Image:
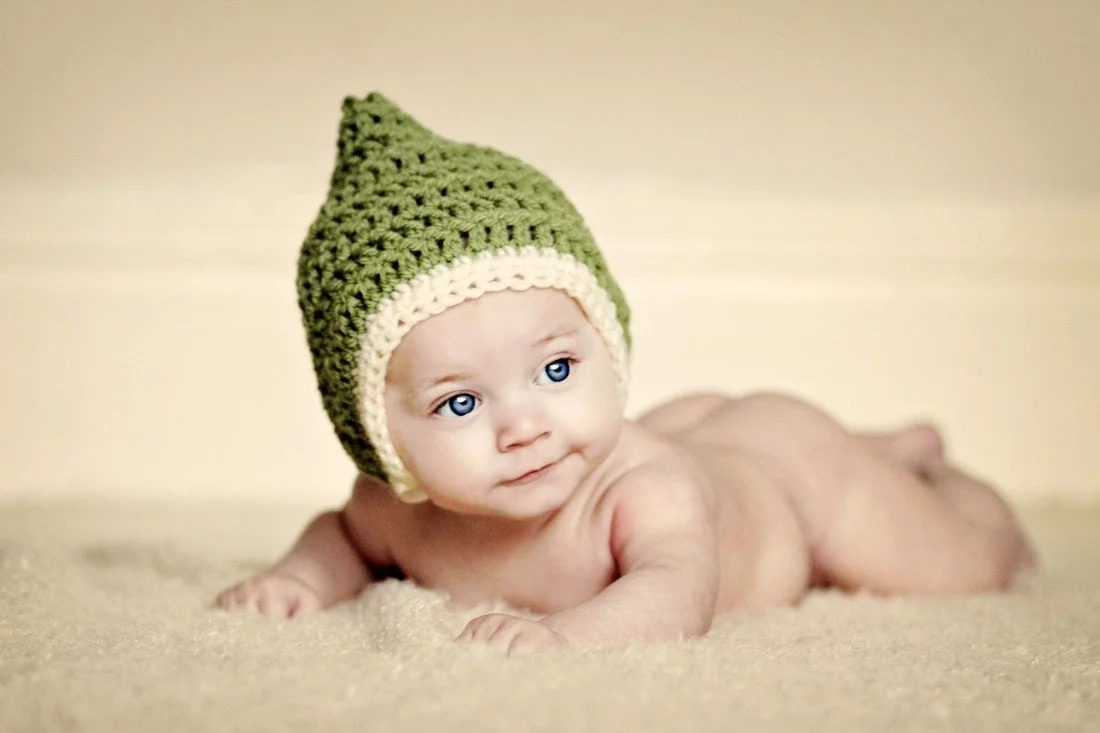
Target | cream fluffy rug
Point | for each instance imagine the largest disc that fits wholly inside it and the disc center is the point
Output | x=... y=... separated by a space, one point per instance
x=104 y=626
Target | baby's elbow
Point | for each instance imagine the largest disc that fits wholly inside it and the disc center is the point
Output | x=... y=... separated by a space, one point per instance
x=683 y=615
x=700 y=627
x=700 y=613
x=998 y=568
x=690 y=624
x=995 y=577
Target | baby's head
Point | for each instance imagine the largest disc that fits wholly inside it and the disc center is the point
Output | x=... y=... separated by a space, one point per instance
x=418 y=227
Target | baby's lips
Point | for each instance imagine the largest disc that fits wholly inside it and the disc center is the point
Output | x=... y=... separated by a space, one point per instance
x=533 y=473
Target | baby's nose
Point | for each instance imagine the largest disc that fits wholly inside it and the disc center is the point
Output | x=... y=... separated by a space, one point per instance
x=521 y=425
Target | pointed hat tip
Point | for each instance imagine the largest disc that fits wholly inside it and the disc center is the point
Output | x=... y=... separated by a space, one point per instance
x=380 y=110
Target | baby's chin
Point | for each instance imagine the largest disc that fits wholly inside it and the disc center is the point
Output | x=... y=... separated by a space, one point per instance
x=521 y=503
x=515 y=503
x=530 y=507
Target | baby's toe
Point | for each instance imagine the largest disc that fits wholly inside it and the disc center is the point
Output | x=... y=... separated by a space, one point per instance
x=921 y=443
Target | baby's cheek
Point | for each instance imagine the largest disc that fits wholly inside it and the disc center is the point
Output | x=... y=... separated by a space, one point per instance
x=598 y=419
x=452 y=454
x=420 y=452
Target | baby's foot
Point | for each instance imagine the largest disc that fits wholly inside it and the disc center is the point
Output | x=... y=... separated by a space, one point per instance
x=919 y=446
x=277 y=596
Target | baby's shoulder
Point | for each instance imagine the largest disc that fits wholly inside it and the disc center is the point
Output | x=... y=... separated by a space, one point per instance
x=659 y=469
x=372 y=517
x=663 y=497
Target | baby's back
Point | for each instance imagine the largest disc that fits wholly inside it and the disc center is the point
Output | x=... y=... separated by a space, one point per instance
x=764 y=464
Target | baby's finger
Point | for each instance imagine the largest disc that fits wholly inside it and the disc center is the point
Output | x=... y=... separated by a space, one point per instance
x=470 y=631
x=524 y=645
x=482 y=628
x=529 y=642
x=304 y=605
x=250 y=599
x=503 y=635
x=272 y=605
x=232 y=599
x=222 y=600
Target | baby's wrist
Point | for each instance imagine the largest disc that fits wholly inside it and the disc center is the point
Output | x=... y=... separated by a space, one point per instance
x=297 y=579
x=564 y=638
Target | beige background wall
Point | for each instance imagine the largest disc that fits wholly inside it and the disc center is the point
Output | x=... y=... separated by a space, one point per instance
x=892 y=208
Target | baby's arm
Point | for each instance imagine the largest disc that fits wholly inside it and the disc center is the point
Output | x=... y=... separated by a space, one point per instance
x=664 y=540
x=323 y=568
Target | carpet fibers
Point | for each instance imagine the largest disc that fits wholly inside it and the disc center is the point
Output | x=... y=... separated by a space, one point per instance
x=105 y=625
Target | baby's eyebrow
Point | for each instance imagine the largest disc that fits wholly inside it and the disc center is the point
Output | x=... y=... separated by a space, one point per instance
x=432 y=382
x=564 y=331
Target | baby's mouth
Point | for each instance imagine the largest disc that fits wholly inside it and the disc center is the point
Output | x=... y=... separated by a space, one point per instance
x=531 y=475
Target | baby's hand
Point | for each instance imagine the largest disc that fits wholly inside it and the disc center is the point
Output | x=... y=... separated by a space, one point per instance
x=277 y=596
x=513 y=635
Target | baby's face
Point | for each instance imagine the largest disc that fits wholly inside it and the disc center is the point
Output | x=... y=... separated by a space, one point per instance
x=503 y=404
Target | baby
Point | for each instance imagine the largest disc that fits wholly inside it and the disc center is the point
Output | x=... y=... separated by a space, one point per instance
x=471 y=350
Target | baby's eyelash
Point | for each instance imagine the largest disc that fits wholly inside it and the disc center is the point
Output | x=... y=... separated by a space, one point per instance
x=459 y=404
x=562 y=366
x=434 y=405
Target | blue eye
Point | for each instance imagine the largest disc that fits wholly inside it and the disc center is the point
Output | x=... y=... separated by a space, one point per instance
x=557 y=371
x=460 y=405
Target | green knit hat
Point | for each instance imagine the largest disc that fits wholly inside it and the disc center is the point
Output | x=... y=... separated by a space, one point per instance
x=414 y=224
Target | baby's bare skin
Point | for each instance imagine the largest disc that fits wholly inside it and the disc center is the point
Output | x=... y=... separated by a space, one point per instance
x=702 y=506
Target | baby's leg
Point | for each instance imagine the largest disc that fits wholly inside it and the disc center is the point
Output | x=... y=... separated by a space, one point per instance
x=920 y=447
x=897 y=529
